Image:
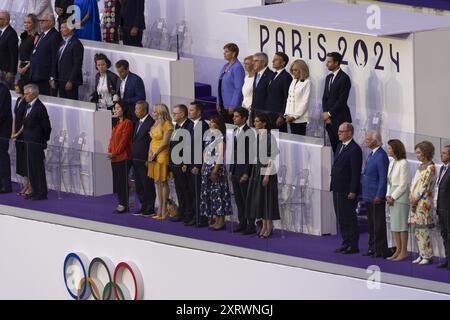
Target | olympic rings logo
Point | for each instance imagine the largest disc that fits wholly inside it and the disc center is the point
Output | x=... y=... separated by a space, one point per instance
x=82 y=278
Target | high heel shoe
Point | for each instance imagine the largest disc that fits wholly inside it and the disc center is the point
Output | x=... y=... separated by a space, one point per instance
x=267 y=234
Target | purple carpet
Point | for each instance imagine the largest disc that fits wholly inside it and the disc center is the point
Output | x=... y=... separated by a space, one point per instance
x=318 y=248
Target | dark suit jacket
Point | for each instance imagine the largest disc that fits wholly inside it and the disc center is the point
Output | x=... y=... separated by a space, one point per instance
x=443 y=199
x=141 y=140
x=132 y=13
x=45 y=56
x=70 y=63
x=278 y=93
x=134 y=89
x=334 y=100
x=187 y=125
x=36 y=125
x=111 y=79
x=346 y=169
x=203 y=126
x=5 y=112
x=239 y=169
x=9 y=48
x=261 y=91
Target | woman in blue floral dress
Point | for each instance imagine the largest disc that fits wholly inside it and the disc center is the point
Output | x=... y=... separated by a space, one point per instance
x=215 y=198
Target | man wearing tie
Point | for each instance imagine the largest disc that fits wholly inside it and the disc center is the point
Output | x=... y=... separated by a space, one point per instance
x=5 y=134
x=69 y=73
x=345 y=183
x=374 y=186
x=8 y=50
x=443 y=203
x=145 y=186
x=130 y=86
x=132 y=21
x=36 y=133
x=45 y=55
x=261 y=83
x=335 y=96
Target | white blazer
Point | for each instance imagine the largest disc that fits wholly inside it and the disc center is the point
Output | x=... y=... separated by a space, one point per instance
x=298 y=100
x=398 y=176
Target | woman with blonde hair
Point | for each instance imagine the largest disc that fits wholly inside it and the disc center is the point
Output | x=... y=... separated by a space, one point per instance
x=297 y=104
x=158 y=156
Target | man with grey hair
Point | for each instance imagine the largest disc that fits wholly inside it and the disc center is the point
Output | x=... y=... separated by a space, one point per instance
x=263 y=77
x=374 y=185
x=44 y=58
x=8 y=50
x=36 y=133
x=345 y=184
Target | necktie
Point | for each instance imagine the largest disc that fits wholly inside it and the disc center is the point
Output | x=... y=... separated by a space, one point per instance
x=370 y=155
x=257 y=79
x=441 y=173
x=342 y=149
x=331 y=81
x=28 y=109
x=1 y=32
x=61 y=49
x=139 y=126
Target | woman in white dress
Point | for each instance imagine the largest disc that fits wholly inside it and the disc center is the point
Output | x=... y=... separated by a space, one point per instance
x=247 y=88
x=296 y=114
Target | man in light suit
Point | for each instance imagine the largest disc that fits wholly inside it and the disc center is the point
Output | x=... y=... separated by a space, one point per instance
x=145 y=186
x=335 y=96
x=374 y=185
x=69 y=71
x=8 y=50
x=442 y=196
x=44 y=59
x=5 y=135
x=263 y=77
x=36 y=133
x=130 y=86
x=345 y=183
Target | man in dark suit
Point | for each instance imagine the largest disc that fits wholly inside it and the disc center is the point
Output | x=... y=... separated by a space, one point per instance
x=69 y=71
x=200 y=126
x=180 y=143
x=278 y=91
x=45 y=55
x=145 y=186
x=374 y=186
x=130 y=86
x=5 y=135
x=240 y=168
x=345 y=182
x=132 y=21
x=8 y=50
x=61 y=7
x=36 y=133
x=335 y=96
x=263 y=77
x=442 y=194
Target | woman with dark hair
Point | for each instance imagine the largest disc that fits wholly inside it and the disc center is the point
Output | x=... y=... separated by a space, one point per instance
x=262 y=199
x=17 y=129
x=397 y=197
x=231 y=80
x=420 y=199
x=27 y=40
x=119 y=152
x=215 y=198
x=105 y=82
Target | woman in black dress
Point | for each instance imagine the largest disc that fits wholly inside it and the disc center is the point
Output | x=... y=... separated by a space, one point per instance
x=21 y=161
x=262 y=200
x=27 y=40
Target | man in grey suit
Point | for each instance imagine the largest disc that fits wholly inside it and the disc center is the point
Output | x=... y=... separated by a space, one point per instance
x=442 y=194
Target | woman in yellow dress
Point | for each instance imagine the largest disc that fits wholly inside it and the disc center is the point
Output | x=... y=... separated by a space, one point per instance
x=158 y=156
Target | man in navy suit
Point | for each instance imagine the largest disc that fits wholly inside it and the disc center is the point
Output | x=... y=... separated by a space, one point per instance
x=8 y=50
x=442 y=198
x=335 y=96
x=5 y=135
x=278 y=91
x=69 y=71
x=178 y=164
x=240 y=168
x=200 y=126
x=45 y=55
x=374 y=185
x=130 y=86
x=263 y=77
x=132 y=21
x=36 y=133
x=145 y=186
x=345 y=183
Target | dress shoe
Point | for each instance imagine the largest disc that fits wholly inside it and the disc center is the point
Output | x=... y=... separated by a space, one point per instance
x=139 y=213
x=190 y=223
x=176 y=219
x=201 y=224
x=249 y=231
x=368 y=253
x=381 y=255
x=340 y=249
x=426 y=261
x=350 y=250
x=239 y=229
x=37 y=198
x=443 y=265
x=5 y=190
